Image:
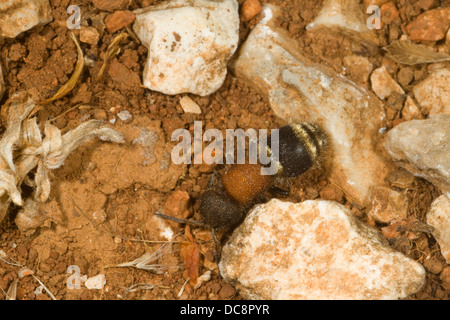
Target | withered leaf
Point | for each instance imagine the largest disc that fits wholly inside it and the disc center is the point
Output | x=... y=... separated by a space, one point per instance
x=190 y=254
x=410 y=53
x=113 y=50
x=69 y=85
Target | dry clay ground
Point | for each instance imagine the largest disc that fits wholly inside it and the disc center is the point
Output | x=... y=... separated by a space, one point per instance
x=96 y=225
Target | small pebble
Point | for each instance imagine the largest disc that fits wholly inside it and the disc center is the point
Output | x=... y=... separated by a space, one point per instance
x=383 y=84
x=411 y=110
x=97 y=282
x=89 y=35
x=250 y=9
x=117 y=240
x=119 y=20
x=431 y=25
x=125 y=116
x=190 y=106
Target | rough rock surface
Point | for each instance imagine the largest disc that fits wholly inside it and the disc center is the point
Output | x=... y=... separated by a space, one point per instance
x=342 y=13
x=17 y=16
x=383 y=84
x=89 y=35
x=299 y=91
x=431 y=25
x=360 y=67
x=388 y=205
x=423 y=148
x=119 y=20
x=411 y=110
x=378 y=3
x=315 y=250
x=433 y=93
x=189 y=44
x=111 y=5
x=439 y=218
x=2 y=82
x=447 y=38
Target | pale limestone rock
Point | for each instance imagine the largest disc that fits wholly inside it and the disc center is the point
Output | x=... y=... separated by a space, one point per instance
x=96 y=283
x=359 y=67
x=344 y=18
x=17 y=16
x=125 y=116
x=388 y=205
x=189 y=105
x=189 y=44
x=346 y=14
x=439 y=218
x=89 y=35
x=433 y=93
x=423 y=148
x=301 y=91
x=383 y=84
x=411 y=110
x=315 y=250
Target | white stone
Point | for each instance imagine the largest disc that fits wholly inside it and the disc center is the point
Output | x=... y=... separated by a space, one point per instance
x=95 y=283
x=17 y=16
x=439 y=218
x=89 y=35
x=189 y=105
x=383 y=84
x=298 y=91
x=315 y=250
x=433 y=93
x=125 y=115
x=346 y=14
x=423 y=148
x=411 y=110
x=360 y=67
x=189 y=44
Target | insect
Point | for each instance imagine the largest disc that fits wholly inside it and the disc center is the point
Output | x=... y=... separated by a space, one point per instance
x=300 y=145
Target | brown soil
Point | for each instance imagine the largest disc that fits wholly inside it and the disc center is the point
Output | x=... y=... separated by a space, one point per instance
x=43 y=59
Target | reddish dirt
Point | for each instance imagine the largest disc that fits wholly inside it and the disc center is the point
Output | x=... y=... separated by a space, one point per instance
x=112 y=226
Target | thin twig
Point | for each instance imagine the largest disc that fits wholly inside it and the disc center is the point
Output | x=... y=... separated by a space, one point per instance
x=2 y=253
x=46 y=289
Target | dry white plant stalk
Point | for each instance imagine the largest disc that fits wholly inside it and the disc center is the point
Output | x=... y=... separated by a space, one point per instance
x=23 y=149
x=12 y=291
x=144 y=262
x=203 y=279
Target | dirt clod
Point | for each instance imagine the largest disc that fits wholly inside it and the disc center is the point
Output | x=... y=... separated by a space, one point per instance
x=227 y=291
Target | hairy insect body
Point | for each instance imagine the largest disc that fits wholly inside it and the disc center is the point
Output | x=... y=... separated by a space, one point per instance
x=301 y=146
